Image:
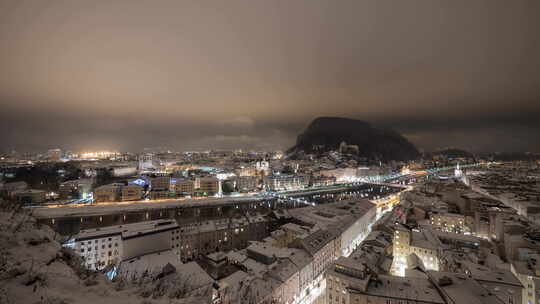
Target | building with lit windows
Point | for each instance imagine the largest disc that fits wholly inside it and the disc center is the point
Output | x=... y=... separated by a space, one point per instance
x=160 y=183
x=449 y=222
x=131 y=193
x=528 y=273
x=319 y=181
x=206 y=237
x=208 y=186
x=351 y=282
x=73 y=189
x=425 y=244
x=249 y=171
x=108 y=193
x=285 y=182
x=184 y=186
x=246 y=183
x=109 y=246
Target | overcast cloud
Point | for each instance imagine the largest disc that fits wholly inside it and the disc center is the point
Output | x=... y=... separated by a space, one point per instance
x=221 y=74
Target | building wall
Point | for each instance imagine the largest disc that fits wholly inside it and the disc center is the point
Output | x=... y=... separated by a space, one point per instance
x=162 y=183
x=107 y=194
x=31 y=196
x=101 y=251
x=528 y=293
x=291 y=289
x=159 y=194
x=305 y=277
x=323 y=258
x=356 y=232
x=286 y=182
x=449 y=222
x=224 y=237
x=402 y=248
x=246 y=183
x=336 y=291
x=186 y=186
x=208 y=185
x=131 y=193
x=150 y=243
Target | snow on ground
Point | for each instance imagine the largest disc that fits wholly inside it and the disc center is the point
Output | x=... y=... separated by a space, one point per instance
x=34 y=268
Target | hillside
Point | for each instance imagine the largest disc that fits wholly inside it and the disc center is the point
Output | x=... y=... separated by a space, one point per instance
x=36 y=269
x=327 y=133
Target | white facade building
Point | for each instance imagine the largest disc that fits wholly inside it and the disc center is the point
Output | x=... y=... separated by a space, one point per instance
x=102 y=247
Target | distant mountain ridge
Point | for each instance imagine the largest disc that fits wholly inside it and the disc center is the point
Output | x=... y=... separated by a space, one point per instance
x=327 y=133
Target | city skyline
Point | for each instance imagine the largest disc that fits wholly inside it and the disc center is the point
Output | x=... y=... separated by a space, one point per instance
x=197 y=75
x=270 y=152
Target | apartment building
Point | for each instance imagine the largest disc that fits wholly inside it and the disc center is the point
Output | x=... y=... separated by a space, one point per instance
x=131 y=193
x=184 y=187
x=30 y=196
x=320 y=245
x=320 y=181
x=352 y=218
x=109 y=246
x=350 y=282
x=286 y=182
x=108 y=193
x=246 y=183
x=422 y=243
x=73 y=189
x=450 y=222
x=202 y=238
x=207 y=186
x=160 y=183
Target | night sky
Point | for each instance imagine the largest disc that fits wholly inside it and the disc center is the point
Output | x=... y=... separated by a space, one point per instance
x=201 y=74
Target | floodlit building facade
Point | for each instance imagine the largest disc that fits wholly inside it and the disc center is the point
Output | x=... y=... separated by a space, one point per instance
x=424 y=244
x=286 y=182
